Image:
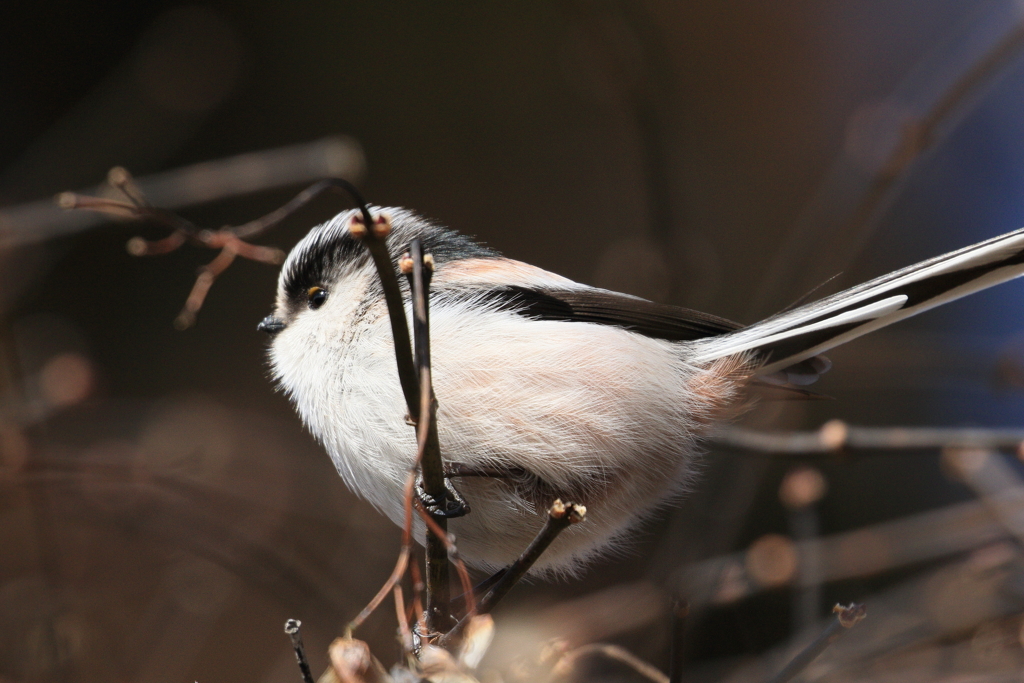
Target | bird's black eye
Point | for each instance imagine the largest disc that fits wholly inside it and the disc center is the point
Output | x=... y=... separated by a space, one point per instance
x=316 y=296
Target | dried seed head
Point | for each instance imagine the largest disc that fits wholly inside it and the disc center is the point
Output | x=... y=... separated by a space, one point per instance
x=137 y=246
x=577 y=514
x=405 y=264
x=382 y=226
x=428 y=262
x=276 y=256
x=67 y=200
x=118 y=175
x=185 y=320
x=851 y=614
x=356 y=226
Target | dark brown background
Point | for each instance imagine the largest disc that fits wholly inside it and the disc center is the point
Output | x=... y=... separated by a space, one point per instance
x=165 y=525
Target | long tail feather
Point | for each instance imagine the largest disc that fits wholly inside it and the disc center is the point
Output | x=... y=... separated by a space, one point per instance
x=794 y=336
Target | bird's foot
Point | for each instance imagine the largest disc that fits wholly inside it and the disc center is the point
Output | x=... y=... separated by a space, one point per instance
x=450 y=504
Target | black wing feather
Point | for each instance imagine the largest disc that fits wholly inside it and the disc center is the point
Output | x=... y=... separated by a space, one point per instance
x=659 y=321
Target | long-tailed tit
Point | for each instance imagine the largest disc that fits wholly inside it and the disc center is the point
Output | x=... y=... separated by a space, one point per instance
x=553 y=388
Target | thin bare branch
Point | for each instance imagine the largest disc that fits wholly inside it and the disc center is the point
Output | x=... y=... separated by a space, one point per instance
x=291 y=627
x=418 y=589
x=568 y=662
x=264 y=223
x=396 y=575
x=403 y=619
x=680 y=612
x=400 y=565
x=867 y=551
x=560 y=517
x=997 y=485
x=464 y=580
x=468 y=596
x=231 y=242
x=916 y=618
x=428 y=447
x=415 y=378
x=373 y=233
x=835 y=436
x=197 y=184
x=119 y=178
x=138 y=246
x=845 y=619
x=207 y=276
x=117 y=208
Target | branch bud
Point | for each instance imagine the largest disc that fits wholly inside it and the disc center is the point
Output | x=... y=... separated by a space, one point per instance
x=382 y=226
x=576 y=513
x=67 y=200
x=118 y=176
x=356 y=226
x=137 y=246
x=850 y=615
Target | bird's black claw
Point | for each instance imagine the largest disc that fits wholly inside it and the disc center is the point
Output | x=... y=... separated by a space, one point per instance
x=450 y=505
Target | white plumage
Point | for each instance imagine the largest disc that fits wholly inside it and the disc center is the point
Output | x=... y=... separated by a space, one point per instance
x=597 y=397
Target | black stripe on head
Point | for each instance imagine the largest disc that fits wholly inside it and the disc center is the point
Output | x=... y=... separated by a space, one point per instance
x=442 y=243
x=320 y=256
x=329 y=248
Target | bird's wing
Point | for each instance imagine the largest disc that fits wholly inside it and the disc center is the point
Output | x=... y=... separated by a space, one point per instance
x=788 y=343
x=659 y=321
x=539 y=295
x=535 y=293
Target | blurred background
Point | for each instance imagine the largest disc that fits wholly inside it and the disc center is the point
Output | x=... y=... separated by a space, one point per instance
x=162 y=511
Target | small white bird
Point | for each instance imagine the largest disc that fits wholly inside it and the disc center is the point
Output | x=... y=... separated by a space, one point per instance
x=558 y=388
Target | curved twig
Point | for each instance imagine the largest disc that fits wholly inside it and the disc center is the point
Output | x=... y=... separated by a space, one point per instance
x=373 y=233
x=400 y=565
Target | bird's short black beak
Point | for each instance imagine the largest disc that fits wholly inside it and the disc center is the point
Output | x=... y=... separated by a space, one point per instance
x=270 y=325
